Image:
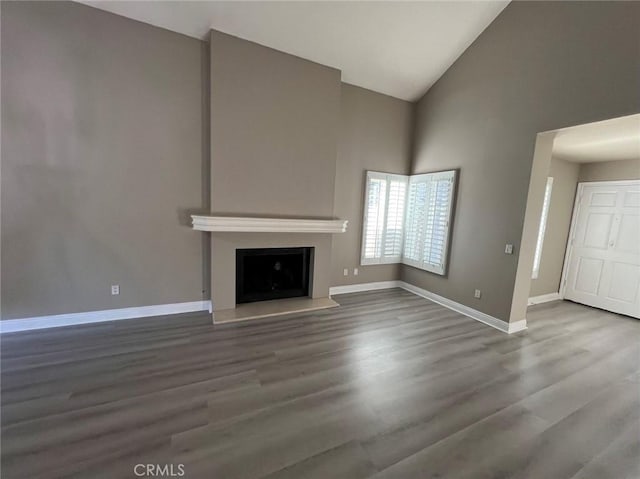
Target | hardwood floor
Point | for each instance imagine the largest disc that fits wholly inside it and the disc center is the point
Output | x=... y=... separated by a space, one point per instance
x=386 y=385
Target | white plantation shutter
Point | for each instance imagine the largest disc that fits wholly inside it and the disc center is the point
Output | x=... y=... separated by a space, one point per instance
x=415 y=221
x=429 y=208
x=375 y=209
x=407 y=219
x=394 y=226
x=382 y=232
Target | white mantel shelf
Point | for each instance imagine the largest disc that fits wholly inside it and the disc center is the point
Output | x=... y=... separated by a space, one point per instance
x=267 y=225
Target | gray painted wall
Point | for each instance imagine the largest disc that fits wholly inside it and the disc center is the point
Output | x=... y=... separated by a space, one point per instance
x=106 y=153
x=102 y=153
x=610 y=170
x=274 y=130
x=375 y=134
x=274 y=134
x=539 y=66
x=563 y=192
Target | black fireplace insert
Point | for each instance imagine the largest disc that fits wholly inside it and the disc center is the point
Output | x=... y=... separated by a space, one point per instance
x=272 y=273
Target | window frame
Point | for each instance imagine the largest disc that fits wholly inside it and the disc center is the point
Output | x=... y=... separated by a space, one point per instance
x=434 y=177
x=441 y=268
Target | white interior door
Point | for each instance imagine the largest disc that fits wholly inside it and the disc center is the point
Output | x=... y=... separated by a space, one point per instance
x=604 y=250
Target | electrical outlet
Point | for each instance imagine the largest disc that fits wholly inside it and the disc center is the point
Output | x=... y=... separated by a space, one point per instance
x=115 y=289
x=477 y=294
x=345 y=272
x=355 y=271
x=508 y=249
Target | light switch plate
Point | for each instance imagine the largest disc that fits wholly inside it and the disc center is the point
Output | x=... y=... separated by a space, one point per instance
x=508 y=249
x=477 y=294
x=115 y=289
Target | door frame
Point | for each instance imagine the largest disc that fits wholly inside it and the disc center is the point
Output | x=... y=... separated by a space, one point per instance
x=574 y=219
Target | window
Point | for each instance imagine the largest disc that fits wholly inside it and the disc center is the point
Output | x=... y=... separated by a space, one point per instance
x=543 y=226
x=407 y=219
x=429 y=207
x=382 y=234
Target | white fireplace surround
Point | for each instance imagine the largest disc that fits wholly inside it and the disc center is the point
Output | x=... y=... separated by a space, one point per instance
x=248 y=224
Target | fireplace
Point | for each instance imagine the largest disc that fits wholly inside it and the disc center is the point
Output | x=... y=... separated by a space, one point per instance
x=263 y=274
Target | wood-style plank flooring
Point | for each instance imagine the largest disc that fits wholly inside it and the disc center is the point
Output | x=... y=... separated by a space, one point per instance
x=388 y=385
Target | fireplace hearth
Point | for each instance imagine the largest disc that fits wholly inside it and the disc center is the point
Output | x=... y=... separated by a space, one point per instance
x=264 y=274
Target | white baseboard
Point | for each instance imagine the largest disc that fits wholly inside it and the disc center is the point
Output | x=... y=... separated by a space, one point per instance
x=544 y=298
x=447 y=303
x=41 y=322
x=357 y=288
x=467 y=311
x=55 y=321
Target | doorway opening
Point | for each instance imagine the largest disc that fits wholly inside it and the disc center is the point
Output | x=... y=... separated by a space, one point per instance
x=581 y=240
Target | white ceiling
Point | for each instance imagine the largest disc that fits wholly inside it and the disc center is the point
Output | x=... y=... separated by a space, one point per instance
x=392 y=47
x=609 y=140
